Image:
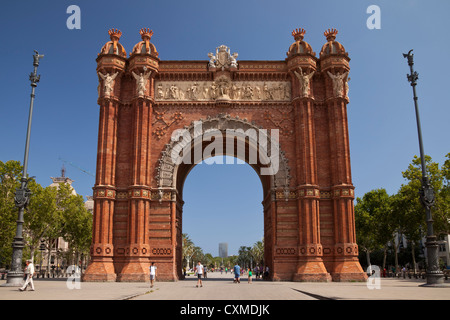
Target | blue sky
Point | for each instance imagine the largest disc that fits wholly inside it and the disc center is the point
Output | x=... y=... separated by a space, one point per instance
x=382 y=123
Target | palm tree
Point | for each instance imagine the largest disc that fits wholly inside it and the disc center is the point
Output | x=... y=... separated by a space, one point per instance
x=197 y=255
x=187 y=248
x=245 y=257
x=257 y=252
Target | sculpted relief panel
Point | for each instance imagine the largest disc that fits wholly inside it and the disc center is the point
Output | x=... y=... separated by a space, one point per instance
x=223 y=88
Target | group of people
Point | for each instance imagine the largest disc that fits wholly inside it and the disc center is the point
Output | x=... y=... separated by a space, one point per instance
x=200 y=272
x=259 y=271
x=29 y=273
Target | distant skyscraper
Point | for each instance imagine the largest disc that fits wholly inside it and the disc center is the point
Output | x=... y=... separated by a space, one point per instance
x=223 y=250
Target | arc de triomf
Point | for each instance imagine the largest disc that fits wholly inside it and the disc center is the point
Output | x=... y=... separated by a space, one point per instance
x=309 y=227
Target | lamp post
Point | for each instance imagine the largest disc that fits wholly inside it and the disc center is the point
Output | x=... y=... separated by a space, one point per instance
x=41 y=249
x=426 y=192
x=22 y=196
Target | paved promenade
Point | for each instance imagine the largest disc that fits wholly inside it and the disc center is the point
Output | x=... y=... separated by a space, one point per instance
x=221 y=287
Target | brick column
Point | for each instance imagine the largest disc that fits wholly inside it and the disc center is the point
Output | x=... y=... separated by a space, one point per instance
x=138 y=250
x=310 y=265
x=345 y=264
x=342 y=262
x=101 y=267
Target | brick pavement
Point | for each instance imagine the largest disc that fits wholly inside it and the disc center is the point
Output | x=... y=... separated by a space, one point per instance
x=221 y=287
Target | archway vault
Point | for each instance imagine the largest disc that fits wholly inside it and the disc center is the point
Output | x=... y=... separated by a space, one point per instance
x=231 y=136
x=238 y=138
x=292 y=114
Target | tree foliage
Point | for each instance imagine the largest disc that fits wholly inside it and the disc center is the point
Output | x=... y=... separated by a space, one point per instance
x=378 y=216
x=76 y=220
x=51 y=213
x=10 y=175
x=247 y=256
x=373 y=223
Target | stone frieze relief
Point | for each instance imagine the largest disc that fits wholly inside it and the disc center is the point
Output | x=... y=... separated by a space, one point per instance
x=222 y=88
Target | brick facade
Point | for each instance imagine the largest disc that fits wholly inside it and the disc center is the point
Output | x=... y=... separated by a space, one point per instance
x=309 y=223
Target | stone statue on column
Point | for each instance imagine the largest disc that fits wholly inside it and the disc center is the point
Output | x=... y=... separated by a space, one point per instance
x=212 y=59
x=141 y=81
x=347 y=89
x=338 y=83
x=233 y=62
x=108 y=82
x=304 y=82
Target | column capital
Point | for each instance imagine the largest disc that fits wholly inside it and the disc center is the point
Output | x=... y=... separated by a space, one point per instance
x=343 y=191
x=308 y=191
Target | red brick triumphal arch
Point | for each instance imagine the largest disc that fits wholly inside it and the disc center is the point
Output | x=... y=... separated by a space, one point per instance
x=159 y=118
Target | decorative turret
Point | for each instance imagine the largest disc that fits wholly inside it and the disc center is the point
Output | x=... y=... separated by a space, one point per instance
x=113 y=46
x=299 y=46
x=111 y=62
x=301 y=62
x=145 y=46
x=143 y=64
x=334 y=63
x=332 y=46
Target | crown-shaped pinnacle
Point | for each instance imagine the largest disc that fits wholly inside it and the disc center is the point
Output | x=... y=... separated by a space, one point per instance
x=114 y=34
x=330 y=34
x=298 y=34
x=146 y=33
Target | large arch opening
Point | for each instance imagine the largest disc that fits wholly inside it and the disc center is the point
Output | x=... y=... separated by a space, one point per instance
x=223 y=204
x=224 y=136
x=223 y=147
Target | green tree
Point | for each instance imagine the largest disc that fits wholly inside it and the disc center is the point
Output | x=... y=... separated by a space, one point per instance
x=208 y=260
x=76 y=221
x=10 y=175
x=257 y=252
x=408 y=209
x=244 y=256
x=445 y=194
x=51 y=213
x=372 y=221
x=41 y=216
x=440 y=183
x=197 y=255
x=187 y=248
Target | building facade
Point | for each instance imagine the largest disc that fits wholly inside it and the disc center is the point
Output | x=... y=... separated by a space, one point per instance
x=291 y=113
x=53 y=252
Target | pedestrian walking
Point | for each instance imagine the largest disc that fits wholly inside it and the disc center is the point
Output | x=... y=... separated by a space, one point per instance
x=152 y=274
x=237 y=273
x=256 y=272
x=199 y=274
x=249 y=275
x=266 y=273
x=29 y=272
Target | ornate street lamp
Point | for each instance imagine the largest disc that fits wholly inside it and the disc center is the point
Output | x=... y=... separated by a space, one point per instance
x=426 y=192
x=22 y=196
x=41 y=249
